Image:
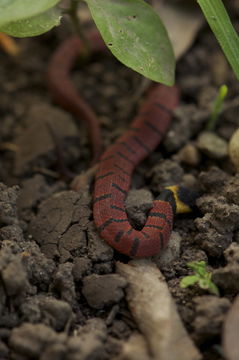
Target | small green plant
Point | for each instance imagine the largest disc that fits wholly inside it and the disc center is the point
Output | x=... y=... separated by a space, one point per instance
x=131 y=29
x=217 y=107
x=201 y=277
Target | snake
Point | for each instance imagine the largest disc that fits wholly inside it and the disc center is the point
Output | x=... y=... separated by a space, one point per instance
x=116 y=165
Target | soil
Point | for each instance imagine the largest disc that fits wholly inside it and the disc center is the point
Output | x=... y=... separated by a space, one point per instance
x=60 y=296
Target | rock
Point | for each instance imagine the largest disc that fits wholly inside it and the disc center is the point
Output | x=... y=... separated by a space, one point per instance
x=212 y=145
x=137 y=204
x=233 y=149
x=103 y=290
x=189 y=155
x=210 y=314
x=155 y=312
x=230 y=332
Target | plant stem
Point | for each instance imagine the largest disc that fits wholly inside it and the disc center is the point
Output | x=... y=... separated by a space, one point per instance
x=217 y=107
x=72 y=12
x=220 y=23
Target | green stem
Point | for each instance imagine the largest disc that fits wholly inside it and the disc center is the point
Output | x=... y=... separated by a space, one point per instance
x=220 y=23
x=217 y=108
x=72 y=12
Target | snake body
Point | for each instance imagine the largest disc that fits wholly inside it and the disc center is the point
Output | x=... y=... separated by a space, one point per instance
x=116 y=165
x=114 y=177
x=63 y=90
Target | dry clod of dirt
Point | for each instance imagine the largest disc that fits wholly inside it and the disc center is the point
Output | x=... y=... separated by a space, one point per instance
x=137 y=204
x=209 y=239
x=39 y=268
x=82 y=267
x=72 y=242
x=171 y=253
x=217 y=225
x=8 y=208
x=227 y=278
x=14 y=277
x=63 y=283
x=103 y=290
x=33 y=191
x=210 y=314
x=232 y=253
x=166 y=173
x=35 y=150
x=48 y=310
x=213 y=180
x=231 y=331
x=135 y=348
x=4 y=351
x=54 y=224
x=31 y=340
x=11 y=232
x=231 y=189
x=189 y=119
x=98 y=249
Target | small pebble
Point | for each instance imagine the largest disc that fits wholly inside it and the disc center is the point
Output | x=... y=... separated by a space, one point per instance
x=189 y=155
x=233 y=149
x=212 y=145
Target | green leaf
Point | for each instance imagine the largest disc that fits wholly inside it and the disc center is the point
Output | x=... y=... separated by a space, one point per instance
x=221 y=25
x=189 y=280
x=136 y=36
x=204 y=283
x=213 y=289
x=33 y=26
x=15 y=10
x=199 y=267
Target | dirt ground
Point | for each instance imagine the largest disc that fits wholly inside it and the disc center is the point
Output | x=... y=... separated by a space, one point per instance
x=61 y=297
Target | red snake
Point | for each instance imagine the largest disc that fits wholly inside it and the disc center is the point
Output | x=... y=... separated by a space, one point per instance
x=116 y=165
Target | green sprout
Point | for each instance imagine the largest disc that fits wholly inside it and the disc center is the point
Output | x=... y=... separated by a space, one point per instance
x=202 y=277
x=217 y=107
